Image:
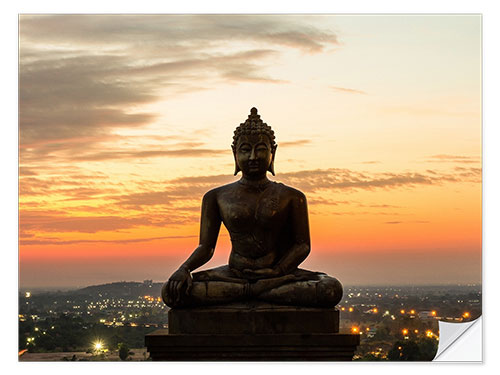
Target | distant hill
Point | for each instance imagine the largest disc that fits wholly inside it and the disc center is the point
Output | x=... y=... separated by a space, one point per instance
x=122 y=289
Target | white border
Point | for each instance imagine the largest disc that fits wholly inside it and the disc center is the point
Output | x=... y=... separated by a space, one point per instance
x=8 y=147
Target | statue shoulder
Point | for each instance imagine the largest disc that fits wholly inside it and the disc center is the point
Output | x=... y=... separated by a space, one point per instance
x=291 y=192
x=216 y=192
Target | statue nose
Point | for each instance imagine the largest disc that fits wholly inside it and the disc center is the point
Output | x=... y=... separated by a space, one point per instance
x=252 y=155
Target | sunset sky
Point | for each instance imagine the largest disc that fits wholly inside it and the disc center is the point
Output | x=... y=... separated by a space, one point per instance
x=126 y=121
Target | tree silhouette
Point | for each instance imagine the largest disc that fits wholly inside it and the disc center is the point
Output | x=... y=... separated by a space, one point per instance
x=123 y=351
x=406 y=350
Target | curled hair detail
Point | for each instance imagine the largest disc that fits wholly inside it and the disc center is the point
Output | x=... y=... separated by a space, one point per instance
x=254 y=126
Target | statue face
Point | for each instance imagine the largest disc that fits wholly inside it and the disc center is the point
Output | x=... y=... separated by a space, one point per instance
x=254 y=154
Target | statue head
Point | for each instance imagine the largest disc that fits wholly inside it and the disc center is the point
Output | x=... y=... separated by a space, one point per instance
x=254 y=146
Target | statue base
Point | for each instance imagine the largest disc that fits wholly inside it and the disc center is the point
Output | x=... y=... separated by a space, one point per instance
x=163 y=346
x=252 y=318
x=252 y=331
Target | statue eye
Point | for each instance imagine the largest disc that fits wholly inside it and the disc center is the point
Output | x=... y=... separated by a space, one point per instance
x=245 y=149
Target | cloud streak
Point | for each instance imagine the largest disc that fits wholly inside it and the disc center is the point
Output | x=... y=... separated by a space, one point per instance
x=310 y=181
x=298 y=142
x=347 y=90
x=175 y=202
x=62 y=222
x=45 y=241
x=345 y=179
x=443 y=158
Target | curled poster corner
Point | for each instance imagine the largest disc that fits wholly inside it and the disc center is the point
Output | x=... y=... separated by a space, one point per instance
x=460 y=342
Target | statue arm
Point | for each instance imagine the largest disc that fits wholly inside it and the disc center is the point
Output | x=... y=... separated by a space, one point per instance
x=209 y=231
x=302 y=241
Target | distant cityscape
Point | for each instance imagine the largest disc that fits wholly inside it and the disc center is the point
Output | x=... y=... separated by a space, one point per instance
x=109 y=321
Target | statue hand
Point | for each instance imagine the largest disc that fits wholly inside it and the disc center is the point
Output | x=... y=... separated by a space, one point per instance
x=263 y=273
x=176 y=282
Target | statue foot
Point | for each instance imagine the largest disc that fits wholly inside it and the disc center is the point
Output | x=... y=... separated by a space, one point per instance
x=329 y=291
x=325 y=292
x=264 y=285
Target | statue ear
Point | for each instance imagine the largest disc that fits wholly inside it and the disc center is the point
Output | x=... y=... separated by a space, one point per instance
x=236 y=166
x=271 y=166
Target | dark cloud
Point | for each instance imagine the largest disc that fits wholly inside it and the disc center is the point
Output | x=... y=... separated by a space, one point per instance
x=23 y=171
x=180 y=33
x=81 y=76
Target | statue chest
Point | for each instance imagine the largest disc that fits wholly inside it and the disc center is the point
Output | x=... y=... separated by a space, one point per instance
x=244 y=211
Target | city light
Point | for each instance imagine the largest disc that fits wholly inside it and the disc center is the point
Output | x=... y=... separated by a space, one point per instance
x=98 y=346
x=27 y=294
x=126 y=312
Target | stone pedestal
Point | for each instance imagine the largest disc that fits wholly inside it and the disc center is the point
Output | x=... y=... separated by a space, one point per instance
x=252 y=331
x=252 y=318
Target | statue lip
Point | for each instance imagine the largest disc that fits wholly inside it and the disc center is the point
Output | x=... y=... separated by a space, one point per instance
x=253 y=164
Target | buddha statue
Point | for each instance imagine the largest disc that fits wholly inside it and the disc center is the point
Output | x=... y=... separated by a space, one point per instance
x=268 y=225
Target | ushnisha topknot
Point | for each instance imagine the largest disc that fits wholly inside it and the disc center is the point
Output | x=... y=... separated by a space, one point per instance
x=254 y=125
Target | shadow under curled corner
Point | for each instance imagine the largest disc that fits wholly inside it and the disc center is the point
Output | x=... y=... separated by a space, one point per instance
x=460 y=342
